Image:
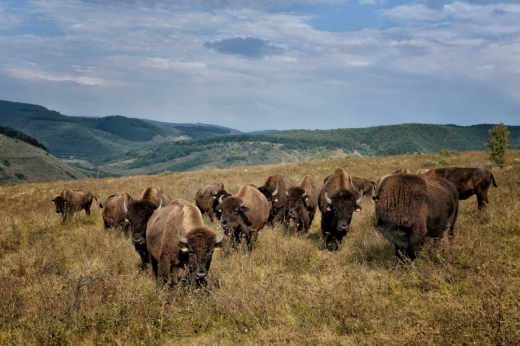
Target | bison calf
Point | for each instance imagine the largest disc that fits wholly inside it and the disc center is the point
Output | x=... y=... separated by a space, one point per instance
x=177 y=240
x=412 y=207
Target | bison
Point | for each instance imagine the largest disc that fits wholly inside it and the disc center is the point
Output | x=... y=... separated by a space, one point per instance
x=155 y=195
x=302 y=202
x=137 y=214
x=245 y=214
x=413 y=207
x=177 y=240
x=274 y=190
x=73 y=200
x=113 y=211
x=207 y=199
x=467 y=181
x=338 y=199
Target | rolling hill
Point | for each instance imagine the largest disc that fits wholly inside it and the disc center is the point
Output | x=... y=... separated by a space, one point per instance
x=118 y=146
x=21 y=162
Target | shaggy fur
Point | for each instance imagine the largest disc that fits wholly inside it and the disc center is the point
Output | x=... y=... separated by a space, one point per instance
x=467 y=181
x=155 y=195
x=207 y=199
x=302 y=202
x=245 y=214
x=172 y=259
x=336 y=214
x=113 y=211
x=137 y=215
x=276 y=184
x=70 y=201
x=412 y=207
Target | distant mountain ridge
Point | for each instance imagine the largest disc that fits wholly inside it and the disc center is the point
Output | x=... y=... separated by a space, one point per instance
x=117 y=145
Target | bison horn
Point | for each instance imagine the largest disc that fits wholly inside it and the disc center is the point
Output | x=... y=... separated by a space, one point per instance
x=243 y=202
x=220 y=237
x=181 y=238
x=125 y=207
x=327 y=198
x=275 y=192
x=160 y=204
x=220 y=199
x=304 y=194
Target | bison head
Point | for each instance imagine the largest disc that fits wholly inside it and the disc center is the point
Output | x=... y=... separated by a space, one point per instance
x=218 y=196
x=199 y=245
x=340 y=207
x=233 y=215
x=60 y=203
x=297 y=199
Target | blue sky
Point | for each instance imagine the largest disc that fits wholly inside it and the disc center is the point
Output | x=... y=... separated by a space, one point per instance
x=280 y=64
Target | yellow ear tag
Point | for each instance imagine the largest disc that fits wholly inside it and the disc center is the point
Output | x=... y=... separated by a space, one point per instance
x=184 y=249
x=217 y=248
x=306 y=198
x=276 y=200
x=328 y=208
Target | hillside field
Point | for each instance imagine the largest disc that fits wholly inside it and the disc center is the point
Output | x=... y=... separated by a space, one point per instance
x=77 y=284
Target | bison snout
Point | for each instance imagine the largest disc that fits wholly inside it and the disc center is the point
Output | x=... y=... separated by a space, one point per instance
x=138 y=240
x=292 y=214
x=343 y=226
x=201 y=273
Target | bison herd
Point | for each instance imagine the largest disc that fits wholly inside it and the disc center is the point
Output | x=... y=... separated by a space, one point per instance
x=170 y=232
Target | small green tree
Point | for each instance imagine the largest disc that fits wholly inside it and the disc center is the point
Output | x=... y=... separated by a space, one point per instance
x=497 y=144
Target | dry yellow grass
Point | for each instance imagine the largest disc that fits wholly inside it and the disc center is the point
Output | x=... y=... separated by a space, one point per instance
x=78 y=284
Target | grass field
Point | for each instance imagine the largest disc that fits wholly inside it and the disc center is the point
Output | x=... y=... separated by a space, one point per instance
x=77 y=284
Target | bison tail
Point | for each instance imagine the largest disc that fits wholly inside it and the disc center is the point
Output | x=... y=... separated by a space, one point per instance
x=101 y=205
x=493 y=180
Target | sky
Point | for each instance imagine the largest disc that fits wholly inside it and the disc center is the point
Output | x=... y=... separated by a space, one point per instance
x=273 y=64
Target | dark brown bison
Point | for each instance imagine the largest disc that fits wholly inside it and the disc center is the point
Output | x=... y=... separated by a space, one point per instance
x=137 y=214
x=244 y=215
x=114 y=212
x=177 y=240
x=155 y=195
x=302 y=202
x=70 y=201
x=467 y=181
x=207 y=199
x=337 y=201
x=274 y=190
x=413 y=207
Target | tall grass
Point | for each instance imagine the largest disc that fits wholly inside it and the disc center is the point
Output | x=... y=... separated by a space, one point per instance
x=77 y=284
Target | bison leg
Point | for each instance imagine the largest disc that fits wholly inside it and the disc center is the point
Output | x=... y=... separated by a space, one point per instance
x=482 y=199
x=211 y=215
x=165 y=269
x=155 y=266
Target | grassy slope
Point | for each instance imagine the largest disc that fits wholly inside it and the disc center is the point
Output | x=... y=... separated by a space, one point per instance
x=76 y=283
x=21 y=162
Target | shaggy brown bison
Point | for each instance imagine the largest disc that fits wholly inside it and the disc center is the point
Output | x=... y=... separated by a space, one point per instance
x=413 y=207
x=337 y=201
x=179 y=244
x=467 y=181
x=114 y=212
x=137 y=215
x=207 y=199
x=155 y=195
x=244 y=215
x=302 y=202
x=70 y=201
x=274 y=191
